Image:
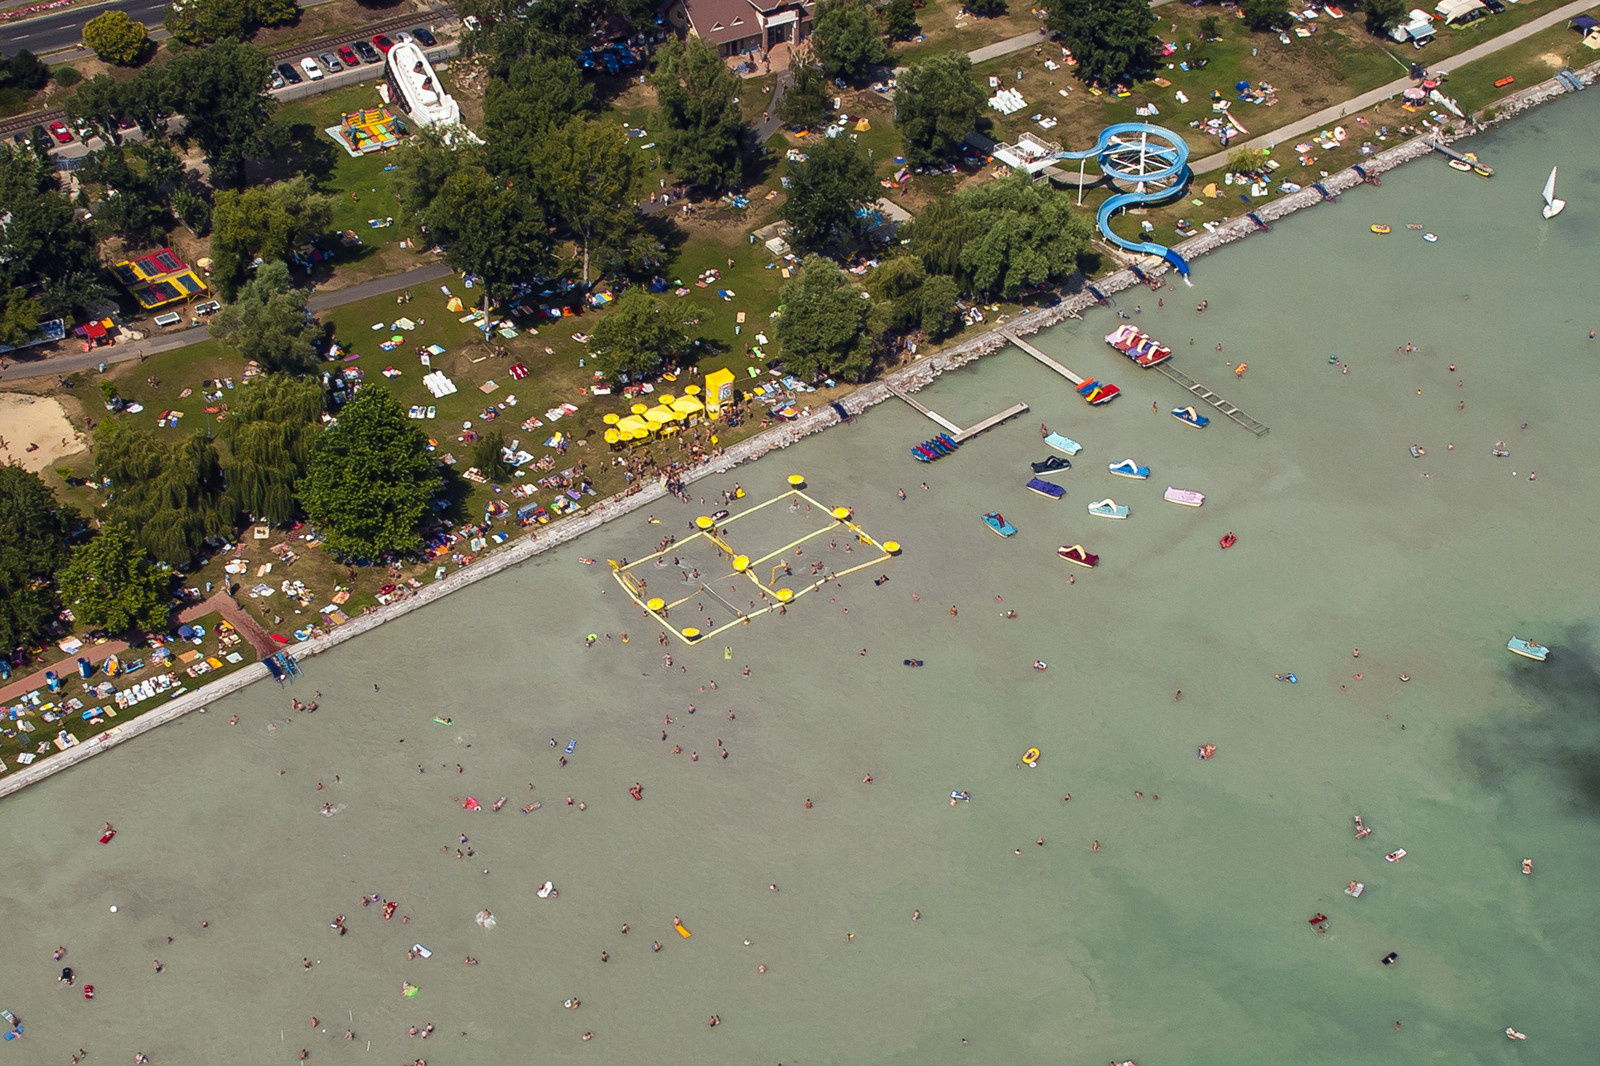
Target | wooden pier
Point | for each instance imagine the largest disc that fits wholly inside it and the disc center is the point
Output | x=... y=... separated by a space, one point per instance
x=959 y=435
x=1045 y=359
x=989 y=423
x=1476 y=164
x=1222 y=406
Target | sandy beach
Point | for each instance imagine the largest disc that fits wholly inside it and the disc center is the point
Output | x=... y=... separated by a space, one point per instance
x=35 y=431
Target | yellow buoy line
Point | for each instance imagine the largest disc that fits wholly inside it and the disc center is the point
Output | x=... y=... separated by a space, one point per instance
x=744 y=565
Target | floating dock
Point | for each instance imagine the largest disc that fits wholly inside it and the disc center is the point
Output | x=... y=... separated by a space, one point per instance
x=1205 y=395
x=960 y=435
x=1476 y=164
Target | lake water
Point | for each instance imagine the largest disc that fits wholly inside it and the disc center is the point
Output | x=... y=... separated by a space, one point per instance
x=1183 y=940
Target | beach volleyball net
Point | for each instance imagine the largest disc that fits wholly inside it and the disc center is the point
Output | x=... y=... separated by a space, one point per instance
x=747 y=562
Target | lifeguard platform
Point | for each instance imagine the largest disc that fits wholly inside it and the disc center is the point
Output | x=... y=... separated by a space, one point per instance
x=732 y=557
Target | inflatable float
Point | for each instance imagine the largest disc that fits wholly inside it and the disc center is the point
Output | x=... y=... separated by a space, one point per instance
x=683 y=932
x=420 y=950
x=547 y=890
x=1396 y=855
x=108 y=835
x=1228 y=540
x=1031 y=757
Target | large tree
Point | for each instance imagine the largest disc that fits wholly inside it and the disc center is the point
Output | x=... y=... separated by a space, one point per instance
x=426 y=162
x=585 y=177
x=900 y=20
x=270 y=221
x=370 y=478
x=47 y=253
x=537 y=94
x=271 y=427
x=492 y=229
x=115 y=37
x=267 y=322
x=172 y=496
x=827 y=193
x=221 y=91
x=1383 y=15
x=806 y=102
x=1021 y=232
x=138 y=182
x=938 y=234
x=110 y=584
x=33 y=548
x=910 y=298
x=1111 y=39
x=202 y=22
x=824 y=325
x=846 y=38
x=1264 y=14
x=703 y=137
x=638 y=335
x=936 y=104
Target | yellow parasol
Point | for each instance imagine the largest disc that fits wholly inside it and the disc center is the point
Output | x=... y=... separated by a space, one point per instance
x=658 y=414
x=632 y=424
x=688 y=405
x=655 y=604
x=612 y=436
x=665 y=399
x=612 y=418
x=892 y=547
x=639 y=408
x=691 y=390
x=797 y=480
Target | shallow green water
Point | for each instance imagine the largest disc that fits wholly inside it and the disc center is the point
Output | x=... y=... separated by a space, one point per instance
x=1184 y=940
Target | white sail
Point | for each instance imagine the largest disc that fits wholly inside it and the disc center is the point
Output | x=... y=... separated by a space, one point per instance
x=1552 y=205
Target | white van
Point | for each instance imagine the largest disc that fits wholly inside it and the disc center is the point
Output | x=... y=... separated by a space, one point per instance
x=313 y=71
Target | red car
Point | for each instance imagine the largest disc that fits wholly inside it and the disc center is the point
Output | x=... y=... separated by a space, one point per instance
x=349 y=56
x=60 y=133
x=383 y=42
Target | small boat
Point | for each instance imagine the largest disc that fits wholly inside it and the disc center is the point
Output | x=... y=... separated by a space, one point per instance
x=1228 y=540
x=1063 y=444
x=1186 y=497
x=1098 y=392
x=1046 y=488
x=1108 y=508
x=1527 y=648
x=997 y=522
x=1431 y=238
x=1464 y=167
x=1129 y=468
x=1552 y=205
x=1077 y=553
x=1379 y=227
x=1190 y=417
x=1055 y=462
x=1031 y=757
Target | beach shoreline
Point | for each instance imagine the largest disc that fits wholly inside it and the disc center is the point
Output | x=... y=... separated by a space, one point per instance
x=909 y=379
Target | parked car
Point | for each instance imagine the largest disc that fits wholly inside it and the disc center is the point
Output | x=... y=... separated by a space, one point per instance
x=331 y=61
x=367 y=52
x=313 y=71
x=383 y=42
x=472 y=22
x=424 y=38
x=60 y=133
x=275 y=80
x=348 y=55
x=1495 y=6
x=290 y=75
x=403 y=38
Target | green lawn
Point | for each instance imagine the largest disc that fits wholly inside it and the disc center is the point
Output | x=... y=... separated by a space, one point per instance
x=1529 y=62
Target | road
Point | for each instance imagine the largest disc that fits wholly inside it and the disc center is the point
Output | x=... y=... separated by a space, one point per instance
x=64 y=29
x=154 y=344
x=1332 y=116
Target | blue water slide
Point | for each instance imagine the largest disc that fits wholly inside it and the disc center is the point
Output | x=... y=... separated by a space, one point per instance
x=1170 y=160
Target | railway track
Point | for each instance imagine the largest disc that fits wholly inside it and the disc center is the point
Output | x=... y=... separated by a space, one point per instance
x=305 y=48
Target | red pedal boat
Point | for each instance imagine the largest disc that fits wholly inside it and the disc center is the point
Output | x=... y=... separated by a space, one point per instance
x=1077 y=553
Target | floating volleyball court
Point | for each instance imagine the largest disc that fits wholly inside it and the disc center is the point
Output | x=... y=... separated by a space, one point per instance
x=745 y=553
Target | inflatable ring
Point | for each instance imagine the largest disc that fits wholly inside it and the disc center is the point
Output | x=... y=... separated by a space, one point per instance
x=1031 y=756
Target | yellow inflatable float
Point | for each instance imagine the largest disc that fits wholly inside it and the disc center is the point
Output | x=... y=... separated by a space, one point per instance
x=1031 y=757
x=681 y=930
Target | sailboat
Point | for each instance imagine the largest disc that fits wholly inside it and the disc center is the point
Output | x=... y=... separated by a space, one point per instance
x=1552 y=205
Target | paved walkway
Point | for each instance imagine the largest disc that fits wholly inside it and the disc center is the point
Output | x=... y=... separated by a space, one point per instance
x=1330 y=116
x=21 y=369
x=248 y=628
